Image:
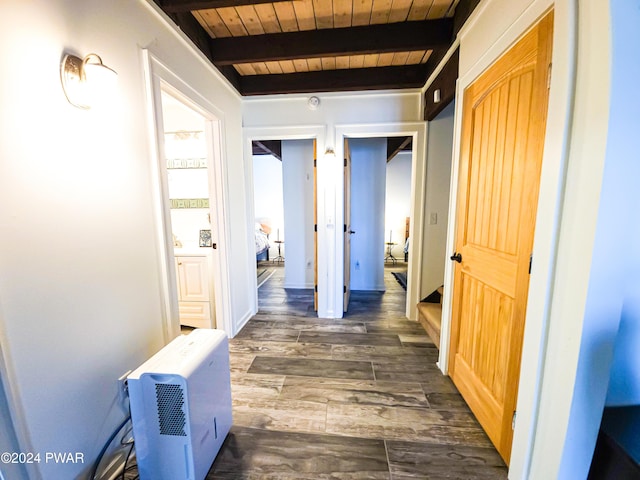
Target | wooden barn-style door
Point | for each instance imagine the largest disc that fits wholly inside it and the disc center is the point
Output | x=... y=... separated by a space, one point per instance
x=504 y=119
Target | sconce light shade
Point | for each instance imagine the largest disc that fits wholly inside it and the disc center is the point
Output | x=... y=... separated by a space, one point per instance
x=329 y=153
x=85 y=81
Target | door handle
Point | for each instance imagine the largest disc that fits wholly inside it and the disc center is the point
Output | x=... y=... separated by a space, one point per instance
x=351 y=232
x=456 y=257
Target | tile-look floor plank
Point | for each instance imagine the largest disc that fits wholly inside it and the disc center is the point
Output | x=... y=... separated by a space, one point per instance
x=402 y=327
x=382 y=354
x=350 y=338
x=281 y=349
x=412 y=459
x=447 y=401
x=247 y=385
x=312 y=367
x=319 y=325
x=405 y=370
x=240 y=363
x=401 y=423
x=269 y=334
x=249 y=454
x=282 y=415
x=361 y=392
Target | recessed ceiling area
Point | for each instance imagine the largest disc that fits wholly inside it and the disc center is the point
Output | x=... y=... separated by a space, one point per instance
x=302 y=46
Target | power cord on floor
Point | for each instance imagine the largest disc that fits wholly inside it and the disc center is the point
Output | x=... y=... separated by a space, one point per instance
x=123 y=441
x=131 y=443
x=126 y=462
x=106 y=446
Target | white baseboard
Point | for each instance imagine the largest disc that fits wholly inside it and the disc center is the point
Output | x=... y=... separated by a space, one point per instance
x=243 y=321
x=299 y=286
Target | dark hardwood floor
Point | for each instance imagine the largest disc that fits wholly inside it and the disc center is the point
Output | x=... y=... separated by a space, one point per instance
x=354 y=398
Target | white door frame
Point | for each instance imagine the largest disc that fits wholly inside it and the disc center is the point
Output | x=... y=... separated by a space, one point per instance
x=159 y=78
x=306 y=132
x=418 y=131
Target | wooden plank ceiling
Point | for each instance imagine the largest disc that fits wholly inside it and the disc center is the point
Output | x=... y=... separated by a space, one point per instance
x=293 y=46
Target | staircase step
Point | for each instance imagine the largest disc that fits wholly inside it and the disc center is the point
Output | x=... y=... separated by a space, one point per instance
x=430 y=317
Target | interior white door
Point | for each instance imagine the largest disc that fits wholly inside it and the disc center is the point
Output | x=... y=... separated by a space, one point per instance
x=347 y=225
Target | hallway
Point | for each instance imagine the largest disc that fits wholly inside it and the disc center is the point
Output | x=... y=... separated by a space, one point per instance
x=354 y=398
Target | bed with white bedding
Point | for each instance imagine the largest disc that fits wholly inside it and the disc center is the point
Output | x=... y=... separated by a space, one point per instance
x=262 y=241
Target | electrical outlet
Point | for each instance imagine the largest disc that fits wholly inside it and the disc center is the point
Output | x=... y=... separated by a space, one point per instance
x=123 y=390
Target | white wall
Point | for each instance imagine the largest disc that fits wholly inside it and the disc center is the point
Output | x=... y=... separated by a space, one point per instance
x=613 y=297
x=368 y=180
x=439 y=151
x=334 y=109
x=297 y=180
x=624 y=386
x=186 y=224
x=397 y=201
x=267 y=197
x=79 y=272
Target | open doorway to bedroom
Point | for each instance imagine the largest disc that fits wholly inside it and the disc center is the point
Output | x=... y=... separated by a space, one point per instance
x=397 y=216
x=284 y=224
x=268 y=208
x=377 y=212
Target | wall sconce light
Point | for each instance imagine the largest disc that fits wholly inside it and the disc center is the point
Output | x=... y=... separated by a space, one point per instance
x=86 y=81
x=436 y=95
x=329 y=153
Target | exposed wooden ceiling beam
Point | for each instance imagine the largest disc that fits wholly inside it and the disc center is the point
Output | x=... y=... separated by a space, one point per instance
x=463 y=11
x=267 y=147
x=174 y=6
x=392 y=37
x=201 y=38
x=396 y=145
x=445 y=82
x=334 y=80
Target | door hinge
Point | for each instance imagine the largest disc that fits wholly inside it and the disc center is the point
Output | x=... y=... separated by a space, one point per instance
x=345 y=228
x=315 y=227
x=345 y=162
x=530 y=262
x=315 y=288
x=344 y=289
x=513 y=420
x=549 y=77
x=315 y=162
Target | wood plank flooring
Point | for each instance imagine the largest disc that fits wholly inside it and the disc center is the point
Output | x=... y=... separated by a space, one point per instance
x=355 y=398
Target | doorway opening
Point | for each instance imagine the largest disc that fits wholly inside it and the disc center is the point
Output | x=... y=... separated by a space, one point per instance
x=416 y=132
x=284 y=202
x=190 y=199
x=188 y=192
x=398 y=207
x=377 y=179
